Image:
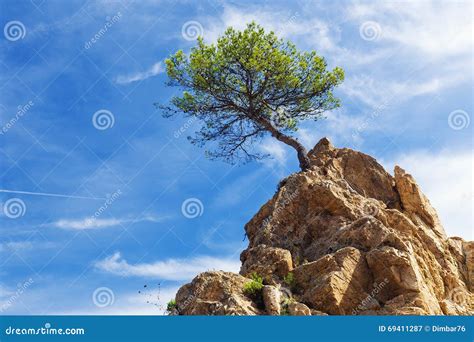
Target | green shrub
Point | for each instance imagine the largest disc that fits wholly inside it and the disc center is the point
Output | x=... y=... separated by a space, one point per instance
x=289 y=279
x=253 y=289
x=171 y=305
x=284 y=306
x=297 y=261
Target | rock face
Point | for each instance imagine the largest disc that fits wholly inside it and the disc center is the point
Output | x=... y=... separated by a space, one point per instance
x=343 y=238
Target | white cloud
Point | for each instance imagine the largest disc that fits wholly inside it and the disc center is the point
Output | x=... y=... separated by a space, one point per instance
x=276 y=151
x=97 y=223
x=170 y=269
x=434 y=28
x=446 y=179
x=147 y=303
x=14 y=246
x=310 y=31
x=154 y=70
x=432 y=37
x=375 y=92
x=23 y=246
x=338 y=126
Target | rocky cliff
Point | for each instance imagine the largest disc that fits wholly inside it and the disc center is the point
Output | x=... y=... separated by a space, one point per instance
x=343 y=238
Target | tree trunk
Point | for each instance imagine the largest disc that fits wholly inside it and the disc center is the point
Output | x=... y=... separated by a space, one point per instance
x=301 y=151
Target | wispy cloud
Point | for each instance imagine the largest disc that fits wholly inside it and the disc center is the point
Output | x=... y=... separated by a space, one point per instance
x=154 y=70
x=276 y=151
x=25 y=245
x=424 y=31
x=98 y=223
x=152 y=302
x=170 y=269
x=434 y=28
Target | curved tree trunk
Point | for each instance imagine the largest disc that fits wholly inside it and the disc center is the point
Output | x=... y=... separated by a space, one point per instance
x=301 y=151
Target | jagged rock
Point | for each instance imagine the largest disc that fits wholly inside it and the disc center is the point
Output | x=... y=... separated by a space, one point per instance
x=415 y=203
x=298 y=309
x=362 y=172
x=318 y=313
x=356 y=241
x=266 y=262
x=271 y=299
x=215 y=293
x=468 y=249
x=335 y=283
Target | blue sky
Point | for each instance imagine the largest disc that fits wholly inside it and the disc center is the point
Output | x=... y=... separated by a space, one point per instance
x=407 y=100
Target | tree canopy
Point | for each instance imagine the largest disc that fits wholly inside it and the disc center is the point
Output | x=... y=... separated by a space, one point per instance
x=249 y=84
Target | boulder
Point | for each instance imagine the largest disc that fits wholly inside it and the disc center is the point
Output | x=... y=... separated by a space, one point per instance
x=298 y=309
x=271 y=300
x=267 y=262
x=215 y=293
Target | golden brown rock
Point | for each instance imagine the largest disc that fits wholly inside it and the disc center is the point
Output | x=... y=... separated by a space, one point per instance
x=215 y=293
x=268 y=262
x=271 y=300
x=298 y=309
x=347 y=238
